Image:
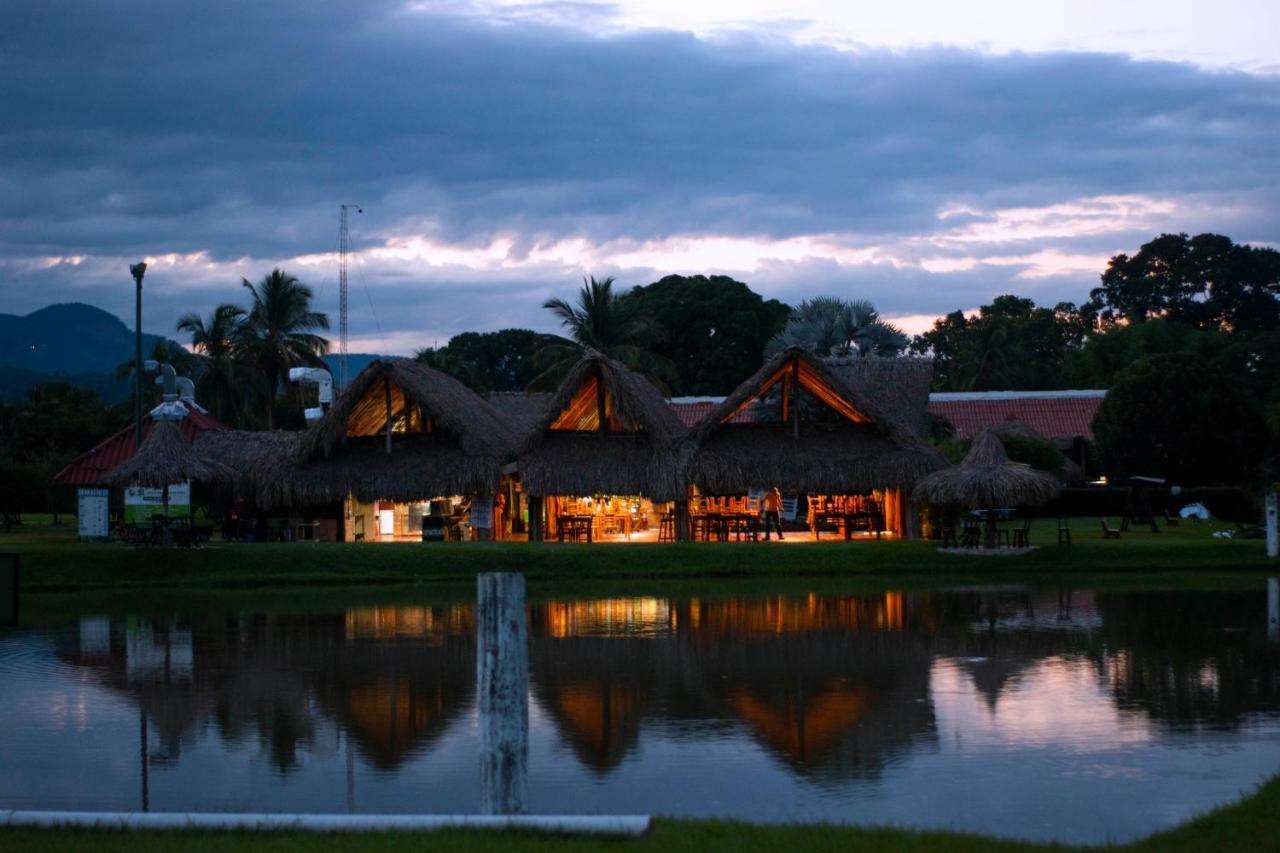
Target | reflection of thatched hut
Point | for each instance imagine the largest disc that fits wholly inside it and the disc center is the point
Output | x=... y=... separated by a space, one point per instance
x=401 y=432
x=846 y=442
x=606 y=430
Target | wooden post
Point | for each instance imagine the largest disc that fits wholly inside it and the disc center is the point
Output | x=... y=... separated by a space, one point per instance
x=1273 y=538
x=386 y=387
x=682 y=521
x=600 y=413
x=1273 y=609
x=795 y=398
x=535 y=518
x=502 y=685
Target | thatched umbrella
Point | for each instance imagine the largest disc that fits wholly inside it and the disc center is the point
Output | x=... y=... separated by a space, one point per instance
x=164 y=458
x=987 y=479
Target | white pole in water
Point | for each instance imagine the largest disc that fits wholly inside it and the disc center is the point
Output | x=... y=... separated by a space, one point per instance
x=1273 y=609
x=1273 y=538
x=502 y=684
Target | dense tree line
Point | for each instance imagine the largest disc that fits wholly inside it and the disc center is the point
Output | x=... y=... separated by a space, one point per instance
x=1186 y=331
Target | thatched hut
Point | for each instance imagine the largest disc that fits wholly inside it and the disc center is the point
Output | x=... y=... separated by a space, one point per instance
x=605 y=430
x=1069 y=473
x=401 y=432
x=985 y=479
x=166 y=458
x=811 y=433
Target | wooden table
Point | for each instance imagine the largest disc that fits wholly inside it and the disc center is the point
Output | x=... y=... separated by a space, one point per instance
x=575 y=526
x=849 y=521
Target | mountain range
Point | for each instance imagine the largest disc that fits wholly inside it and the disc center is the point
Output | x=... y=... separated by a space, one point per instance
x=81 y=344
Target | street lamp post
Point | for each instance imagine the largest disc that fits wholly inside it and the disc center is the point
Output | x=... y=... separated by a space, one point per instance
x=138 y=270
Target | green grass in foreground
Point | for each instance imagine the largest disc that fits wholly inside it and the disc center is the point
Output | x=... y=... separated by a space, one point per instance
x=1253 y=824
x=54 y=561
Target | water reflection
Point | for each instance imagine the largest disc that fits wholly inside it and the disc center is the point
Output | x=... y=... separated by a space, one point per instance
x=824 y=691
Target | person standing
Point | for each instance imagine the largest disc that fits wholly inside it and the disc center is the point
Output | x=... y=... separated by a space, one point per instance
x=773 y=512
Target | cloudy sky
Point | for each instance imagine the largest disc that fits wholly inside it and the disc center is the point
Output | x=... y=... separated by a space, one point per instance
x=924 y=155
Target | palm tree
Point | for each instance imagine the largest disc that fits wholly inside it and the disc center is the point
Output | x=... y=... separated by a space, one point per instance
x=834 y=327
x=599 y=321
x=278 y=332
x=217 y=343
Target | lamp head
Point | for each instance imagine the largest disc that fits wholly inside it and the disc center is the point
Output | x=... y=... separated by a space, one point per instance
x=138 y=270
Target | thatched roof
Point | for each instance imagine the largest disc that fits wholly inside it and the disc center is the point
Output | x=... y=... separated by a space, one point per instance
x=566 y=454
x=986 y=478
x=260 y=460
x=521 y=411
x=899 y=385
x=472 y=422
x=1070 y=473
x=166 y=458
x=463 y=454
x=865 y=449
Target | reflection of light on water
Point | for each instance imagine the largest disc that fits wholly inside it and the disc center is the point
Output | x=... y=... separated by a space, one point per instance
x=380 y=623
x=1052 y=702
x=612 y=616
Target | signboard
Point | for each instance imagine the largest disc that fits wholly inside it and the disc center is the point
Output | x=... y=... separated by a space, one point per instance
x=140 y=504
x=482 y=512
x=8 y=589
x=91 y=513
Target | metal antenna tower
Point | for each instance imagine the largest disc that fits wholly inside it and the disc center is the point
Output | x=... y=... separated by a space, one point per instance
x=344 y=246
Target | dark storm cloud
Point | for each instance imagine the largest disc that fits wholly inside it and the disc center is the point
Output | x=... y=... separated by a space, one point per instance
x=236 y=128
x=220 y=126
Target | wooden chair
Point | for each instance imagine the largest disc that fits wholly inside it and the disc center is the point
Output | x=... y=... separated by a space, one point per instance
x=949 y=537
x=667 y=528
x=1171 y=520
x=1064 y=531
x=1108 y=532
x=1022 y=535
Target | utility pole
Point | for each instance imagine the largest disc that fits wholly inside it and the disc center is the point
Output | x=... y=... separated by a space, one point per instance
x=138 y=270
x=344 y=246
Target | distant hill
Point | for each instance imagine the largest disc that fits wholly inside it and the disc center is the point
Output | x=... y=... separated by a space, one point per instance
x=68 y=338
x=69 y=342
x=80 y=344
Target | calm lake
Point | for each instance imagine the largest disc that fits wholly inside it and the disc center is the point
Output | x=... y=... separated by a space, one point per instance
x=1047 y=713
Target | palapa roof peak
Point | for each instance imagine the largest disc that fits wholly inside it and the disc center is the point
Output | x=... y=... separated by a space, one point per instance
x=166 y=458
x=987 y=478
x=476 y=426
x=633 y=404
x=566 y=453
x=866 y=448
x=819 y=378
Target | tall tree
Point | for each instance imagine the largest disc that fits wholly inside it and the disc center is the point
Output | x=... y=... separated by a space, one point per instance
x=599 y=321
x=713 y=329
x=1010 y=344
x=491 y=361
x=1206 y=281
x=217 y=343
x=1177 y=416
x=280 y=331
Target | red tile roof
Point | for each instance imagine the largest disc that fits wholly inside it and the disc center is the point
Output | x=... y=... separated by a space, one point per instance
x=89 y=468
x=1062 y=414
x=691 y=412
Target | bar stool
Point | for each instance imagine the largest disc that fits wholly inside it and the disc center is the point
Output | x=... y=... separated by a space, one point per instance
x=667 y=528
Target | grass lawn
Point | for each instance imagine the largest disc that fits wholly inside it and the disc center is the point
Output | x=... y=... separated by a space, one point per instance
x=1253 y=824
x=52 y=561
